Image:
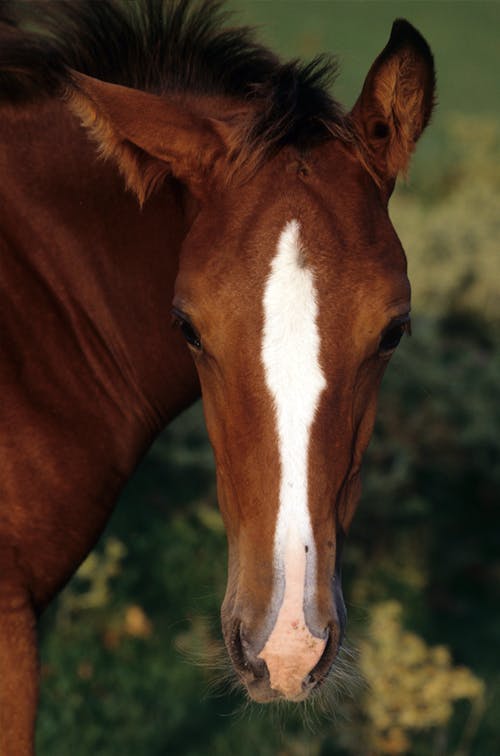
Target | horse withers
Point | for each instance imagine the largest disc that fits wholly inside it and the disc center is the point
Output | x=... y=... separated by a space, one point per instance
x=264 y=228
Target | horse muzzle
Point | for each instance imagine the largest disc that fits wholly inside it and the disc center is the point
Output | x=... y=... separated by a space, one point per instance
x=289 y=666
x=283 y=641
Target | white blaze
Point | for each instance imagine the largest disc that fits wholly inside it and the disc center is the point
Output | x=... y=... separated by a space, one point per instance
x=290 y=354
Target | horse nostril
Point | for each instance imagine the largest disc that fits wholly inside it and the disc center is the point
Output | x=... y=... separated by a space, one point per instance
x=251 y=662
x=235 y=647
x=308 y=681
x=322 y=668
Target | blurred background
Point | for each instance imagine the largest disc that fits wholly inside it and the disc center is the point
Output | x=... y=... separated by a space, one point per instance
x=130 y=655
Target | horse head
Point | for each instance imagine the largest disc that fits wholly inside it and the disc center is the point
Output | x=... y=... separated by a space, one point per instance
x=292 y=294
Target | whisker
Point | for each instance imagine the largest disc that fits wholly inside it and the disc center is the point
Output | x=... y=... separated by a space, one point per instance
x=201 y=648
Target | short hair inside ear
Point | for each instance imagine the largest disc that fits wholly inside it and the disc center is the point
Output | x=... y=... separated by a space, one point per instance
x=396 y=102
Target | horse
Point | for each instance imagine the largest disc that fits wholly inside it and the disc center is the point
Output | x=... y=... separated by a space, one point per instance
x=182 y=212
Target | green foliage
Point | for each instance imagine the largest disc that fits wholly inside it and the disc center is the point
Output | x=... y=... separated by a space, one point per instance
x=412 y=687
x=449 y=223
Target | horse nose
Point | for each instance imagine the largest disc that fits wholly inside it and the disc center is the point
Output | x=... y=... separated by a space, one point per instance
x=292 y=659
x=277 y=674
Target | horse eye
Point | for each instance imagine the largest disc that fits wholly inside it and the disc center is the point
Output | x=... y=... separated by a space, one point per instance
x=187 y=329
x=190 y=334
x=392 y=336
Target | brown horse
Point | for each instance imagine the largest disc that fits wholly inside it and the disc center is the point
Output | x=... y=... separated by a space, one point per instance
x=264 y=226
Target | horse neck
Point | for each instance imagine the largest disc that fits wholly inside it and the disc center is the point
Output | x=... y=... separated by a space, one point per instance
x=88 y=280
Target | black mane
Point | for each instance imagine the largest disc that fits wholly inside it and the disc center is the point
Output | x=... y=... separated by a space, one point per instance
x=163 y=46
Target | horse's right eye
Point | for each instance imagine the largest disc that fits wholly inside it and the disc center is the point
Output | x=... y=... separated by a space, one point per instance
x=187 y=329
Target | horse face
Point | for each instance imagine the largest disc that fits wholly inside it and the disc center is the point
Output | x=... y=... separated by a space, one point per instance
x=292 y=311
x=292 y=293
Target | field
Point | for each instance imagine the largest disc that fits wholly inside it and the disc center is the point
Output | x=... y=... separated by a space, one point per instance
x=131 y=659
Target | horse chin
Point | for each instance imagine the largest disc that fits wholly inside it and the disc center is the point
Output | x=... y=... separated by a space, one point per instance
x=263 y=694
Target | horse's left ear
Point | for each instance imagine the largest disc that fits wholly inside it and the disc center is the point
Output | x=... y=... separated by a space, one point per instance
x=396 y=103
x=148 y=136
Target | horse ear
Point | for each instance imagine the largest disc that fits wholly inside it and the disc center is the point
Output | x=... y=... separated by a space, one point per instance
x=396 y=103
x=148 y=136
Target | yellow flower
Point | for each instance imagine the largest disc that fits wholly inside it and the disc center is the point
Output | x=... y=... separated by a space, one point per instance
x=412 y=686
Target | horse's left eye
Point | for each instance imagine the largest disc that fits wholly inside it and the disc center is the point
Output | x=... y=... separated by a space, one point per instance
x=190 y=334
x=188 y=330
x=392 y=336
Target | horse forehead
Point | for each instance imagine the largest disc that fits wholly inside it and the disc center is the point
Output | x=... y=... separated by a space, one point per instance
x=344 y=232
x=306 y=256
x=342 y=228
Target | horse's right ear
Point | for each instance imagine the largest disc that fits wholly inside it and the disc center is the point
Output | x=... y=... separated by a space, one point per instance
x=148 y=136
x=395 y=104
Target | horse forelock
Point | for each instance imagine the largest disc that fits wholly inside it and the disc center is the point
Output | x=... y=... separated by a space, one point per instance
x=171 y=46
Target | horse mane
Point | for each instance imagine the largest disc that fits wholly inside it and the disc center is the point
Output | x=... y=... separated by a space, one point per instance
x=168 y=46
